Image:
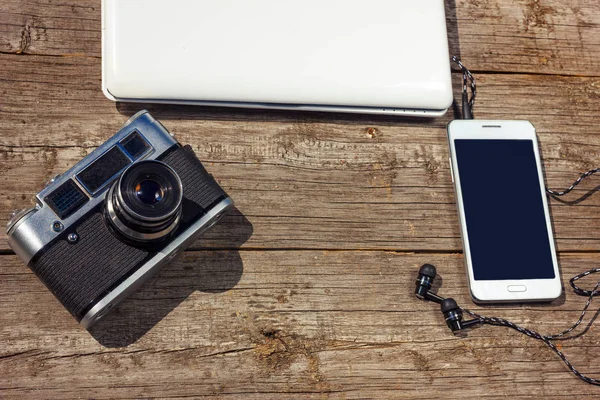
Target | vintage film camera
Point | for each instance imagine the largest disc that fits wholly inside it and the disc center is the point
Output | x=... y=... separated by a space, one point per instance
x=102 y=228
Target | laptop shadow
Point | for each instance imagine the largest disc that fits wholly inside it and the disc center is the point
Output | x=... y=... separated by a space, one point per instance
x=238 y=114
x=214 y=270
x=197 y=112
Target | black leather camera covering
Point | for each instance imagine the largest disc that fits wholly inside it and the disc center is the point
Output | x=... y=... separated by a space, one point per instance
x=81 y=274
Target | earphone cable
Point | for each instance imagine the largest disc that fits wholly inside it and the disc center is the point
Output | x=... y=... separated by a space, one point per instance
x=468 y=81
x=577 y=182
x=547 y=339
x=468 y=104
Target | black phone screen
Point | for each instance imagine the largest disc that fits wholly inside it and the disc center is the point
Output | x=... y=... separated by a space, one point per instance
x=504 y=210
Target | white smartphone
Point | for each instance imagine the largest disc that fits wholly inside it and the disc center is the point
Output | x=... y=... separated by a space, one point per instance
x=503 y=210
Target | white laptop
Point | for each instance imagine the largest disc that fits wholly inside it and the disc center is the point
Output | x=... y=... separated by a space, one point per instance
x=363 y=56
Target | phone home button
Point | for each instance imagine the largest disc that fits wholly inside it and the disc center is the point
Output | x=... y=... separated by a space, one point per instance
x=517 y=288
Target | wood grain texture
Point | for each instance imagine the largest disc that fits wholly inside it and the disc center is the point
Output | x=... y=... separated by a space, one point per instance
x=302 y=178
x=536 y=36
x=305 y=290
x=310 y=324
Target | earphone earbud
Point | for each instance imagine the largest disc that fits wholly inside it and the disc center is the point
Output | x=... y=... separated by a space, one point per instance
x=427 y=274
x=452 y=312
x=425 y=279
x=453 y=315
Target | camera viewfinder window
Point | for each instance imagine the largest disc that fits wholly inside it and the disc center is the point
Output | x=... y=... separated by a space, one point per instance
x=101 y=171
x=135 y=145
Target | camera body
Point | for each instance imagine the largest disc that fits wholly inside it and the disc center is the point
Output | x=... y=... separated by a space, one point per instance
x=109 y=223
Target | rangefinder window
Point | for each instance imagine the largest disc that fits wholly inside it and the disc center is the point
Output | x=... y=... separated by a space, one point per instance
x=101 y=171
x=135 y=145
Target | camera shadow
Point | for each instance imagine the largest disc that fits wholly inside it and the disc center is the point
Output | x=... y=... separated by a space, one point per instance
x=208 y=268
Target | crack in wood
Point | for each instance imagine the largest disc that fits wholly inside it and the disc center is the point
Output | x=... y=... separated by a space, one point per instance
x=12 y=355
x=339 y=335
x=25 y=40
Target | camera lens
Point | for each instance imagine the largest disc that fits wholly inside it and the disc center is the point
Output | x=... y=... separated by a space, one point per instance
x=145 y=203
x=149 y=192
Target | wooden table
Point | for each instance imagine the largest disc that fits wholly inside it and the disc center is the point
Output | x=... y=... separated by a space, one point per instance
x=306 y=290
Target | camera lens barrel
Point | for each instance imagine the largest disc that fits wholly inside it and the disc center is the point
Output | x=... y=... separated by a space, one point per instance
x=144 y=204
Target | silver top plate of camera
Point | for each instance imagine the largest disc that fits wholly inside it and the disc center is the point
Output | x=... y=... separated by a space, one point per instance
x=31 y=230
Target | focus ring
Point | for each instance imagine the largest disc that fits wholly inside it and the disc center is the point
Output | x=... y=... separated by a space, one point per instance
x=128 y=210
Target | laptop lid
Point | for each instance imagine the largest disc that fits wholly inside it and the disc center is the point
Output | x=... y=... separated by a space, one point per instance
x=338 y=54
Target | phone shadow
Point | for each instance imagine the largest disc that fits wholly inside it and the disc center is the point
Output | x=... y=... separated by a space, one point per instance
x=209 y=270
x=572 y=202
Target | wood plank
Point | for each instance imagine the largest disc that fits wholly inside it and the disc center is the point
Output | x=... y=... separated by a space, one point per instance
x=47 y=27
x=283 y=207
x=305 y=180
x=293 y=324
x=538 y=36
x=313 y=318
